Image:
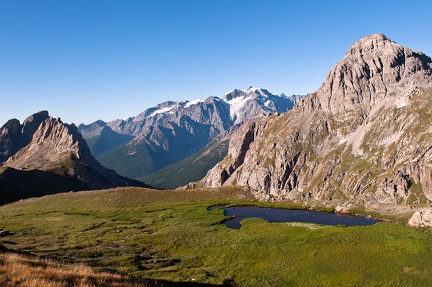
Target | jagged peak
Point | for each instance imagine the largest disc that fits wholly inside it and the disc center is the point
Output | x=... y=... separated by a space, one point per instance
x=101 y=123
x=374 y=68
x=39 y=116
x=236 y=93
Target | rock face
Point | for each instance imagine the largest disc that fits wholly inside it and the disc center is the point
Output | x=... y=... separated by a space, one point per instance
x=421 y=218
x=171 y=131
x=56 y=157
x=14 y=136
x=364 y=136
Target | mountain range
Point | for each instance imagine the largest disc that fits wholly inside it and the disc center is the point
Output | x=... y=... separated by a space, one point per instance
x=171 y=131
x=364 y=137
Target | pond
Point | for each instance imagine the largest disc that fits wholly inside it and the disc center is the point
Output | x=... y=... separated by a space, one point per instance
x=287 y=215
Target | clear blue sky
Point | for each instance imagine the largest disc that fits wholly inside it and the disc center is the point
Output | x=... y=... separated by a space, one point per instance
x=89 y=60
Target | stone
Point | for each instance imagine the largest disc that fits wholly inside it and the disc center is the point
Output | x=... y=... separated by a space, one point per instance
x=421 y=218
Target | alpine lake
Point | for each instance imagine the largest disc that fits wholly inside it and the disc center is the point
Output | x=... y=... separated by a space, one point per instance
x=239 y=213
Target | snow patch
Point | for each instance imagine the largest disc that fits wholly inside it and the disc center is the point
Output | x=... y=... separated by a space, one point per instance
x=193 y=102
x=254 y=89
x=236 y=104
x=161 y=111
x=267 y=104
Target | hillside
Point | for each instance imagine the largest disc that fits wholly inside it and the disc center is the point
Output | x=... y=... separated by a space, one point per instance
x=194 y=167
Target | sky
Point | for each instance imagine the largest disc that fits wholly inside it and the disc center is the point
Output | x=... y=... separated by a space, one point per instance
x=102 y=59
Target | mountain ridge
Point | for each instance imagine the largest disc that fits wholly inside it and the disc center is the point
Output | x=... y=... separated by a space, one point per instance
x=171 y=131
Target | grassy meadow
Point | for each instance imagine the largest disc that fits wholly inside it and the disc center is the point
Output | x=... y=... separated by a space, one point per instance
x=170 y=235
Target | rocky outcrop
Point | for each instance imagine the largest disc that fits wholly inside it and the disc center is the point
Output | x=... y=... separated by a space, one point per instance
x=421 y=218
x=59 y=148
x=56 y=159
x=364 y=136
x=374 y=69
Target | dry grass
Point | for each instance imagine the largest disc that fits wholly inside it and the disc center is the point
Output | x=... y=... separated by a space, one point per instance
x=18 y=270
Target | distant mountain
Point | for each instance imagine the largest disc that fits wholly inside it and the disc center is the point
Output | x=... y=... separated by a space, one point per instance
x=363 y=138
x=55 y=159
x=172 y=131
x=194 y=167
x=101 y=138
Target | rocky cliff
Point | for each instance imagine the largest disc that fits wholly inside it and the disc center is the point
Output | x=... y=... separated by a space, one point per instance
x=363 y=137
x=55 y=148
x=14 y=136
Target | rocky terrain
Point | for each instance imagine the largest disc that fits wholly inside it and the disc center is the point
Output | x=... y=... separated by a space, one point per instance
x=48 y=156
x=364 y=137
x=172 y=131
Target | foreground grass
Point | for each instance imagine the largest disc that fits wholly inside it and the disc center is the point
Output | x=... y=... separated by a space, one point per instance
x=18 y=270
x=170 y=235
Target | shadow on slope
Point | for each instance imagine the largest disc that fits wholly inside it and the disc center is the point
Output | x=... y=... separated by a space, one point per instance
x=18 y=184
x=190 y=169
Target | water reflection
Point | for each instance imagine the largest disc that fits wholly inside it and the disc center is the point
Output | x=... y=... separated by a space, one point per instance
x=287 y=215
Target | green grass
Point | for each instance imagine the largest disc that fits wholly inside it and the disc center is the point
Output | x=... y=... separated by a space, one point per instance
x=170 y=235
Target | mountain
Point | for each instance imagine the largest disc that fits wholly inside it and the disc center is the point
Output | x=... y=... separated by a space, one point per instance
x=363 y=137
x=56 y=159
x=172 y=131
x=194 y=167
x=101 y=138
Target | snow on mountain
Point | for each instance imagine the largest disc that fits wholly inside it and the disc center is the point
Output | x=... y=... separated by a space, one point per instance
x=236 y=104
x=235 y=99
x=162 y=111
x=193 y=102
x=234 y=107
x=254 y=100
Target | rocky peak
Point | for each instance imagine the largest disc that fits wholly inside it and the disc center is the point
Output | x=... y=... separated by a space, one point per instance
x=250 y=92
x=59 y=148
x=51 y=139
x=30 y=126
x=373 y=69
x=14 y=136
x=10 y=137
x=363 y=137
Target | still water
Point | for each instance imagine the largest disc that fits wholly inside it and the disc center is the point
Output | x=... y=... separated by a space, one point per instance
x=287 y=215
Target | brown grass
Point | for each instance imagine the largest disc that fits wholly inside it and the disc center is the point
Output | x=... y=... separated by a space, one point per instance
x=18 y=270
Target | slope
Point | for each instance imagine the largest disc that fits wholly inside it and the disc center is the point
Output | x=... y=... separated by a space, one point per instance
x=194 y=167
